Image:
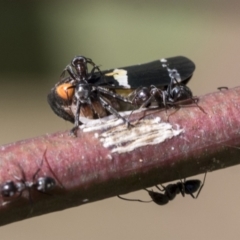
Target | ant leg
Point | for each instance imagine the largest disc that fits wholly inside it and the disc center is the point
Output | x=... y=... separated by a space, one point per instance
x=194 y=101
x=133 y=200
x=222 y=88
x=113 y=111
x=95 y=67
x=77 y=114
x=163 y=188
x=178 y=105
x=77 y=122
x=147 y=102
x=24 y=185
x=31 y=202
x=114 y=95
x=202 y=185
x=55 y=176
x=40 y=167
x=70 y=72
x=109 y=108
x=159 y=95
x=176 y=110
x=95 y=110
x=181 y=185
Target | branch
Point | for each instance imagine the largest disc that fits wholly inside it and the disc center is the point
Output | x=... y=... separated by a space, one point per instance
x=107 y=158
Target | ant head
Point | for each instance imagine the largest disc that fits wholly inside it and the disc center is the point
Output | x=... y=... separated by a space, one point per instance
x=191 y=186
x=80 y=64
x=8 y=189
x=79 y=60
x=141 y=96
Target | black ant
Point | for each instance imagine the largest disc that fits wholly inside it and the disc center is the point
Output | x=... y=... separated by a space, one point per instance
x=84 y=94
x=41 y=184
x=171 y=190
x=78 y=69
x=175 y=95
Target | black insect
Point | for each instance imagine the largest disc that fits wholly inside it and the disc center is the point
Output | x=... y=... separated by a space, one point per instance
x=167 y=81
x=158 y=73
x=175 y=95
x=11 y=188
x=84 y=94
x=95 y=94
x=78 y=69
x=169 y=192
x=15 y=188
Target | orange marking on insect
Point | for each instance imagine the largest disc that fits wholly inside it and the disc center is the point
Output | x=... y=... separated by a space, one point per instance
x=65 y=91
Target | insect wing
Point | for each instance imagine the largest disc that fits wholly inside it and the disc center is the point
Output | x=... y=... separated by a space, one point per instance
x=157 y=73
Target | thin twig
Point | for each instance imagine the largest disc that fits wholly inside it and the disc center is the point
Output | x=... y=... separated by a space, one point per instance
x=113 y=160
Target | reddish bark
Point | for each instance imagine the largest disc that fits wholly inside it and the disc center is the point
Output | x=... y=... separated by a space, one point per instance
x=88 y=171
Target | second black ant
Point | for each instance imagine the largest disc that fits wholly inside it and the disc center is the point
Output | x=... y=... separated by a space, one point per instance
x=169 y=192
x=175 y=95
x=16 y=188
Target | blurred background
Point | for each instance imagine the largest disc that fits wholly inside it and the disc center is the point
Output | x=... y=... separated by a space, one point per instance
x=38 y=39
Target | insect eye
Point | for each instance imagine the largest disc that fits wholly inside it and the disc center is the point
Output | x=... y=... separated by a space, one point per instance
x=65 y=91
